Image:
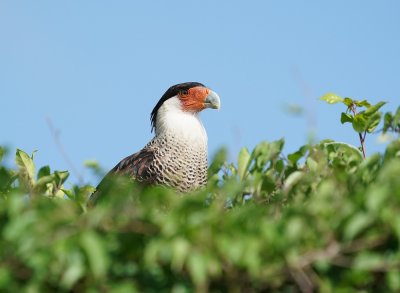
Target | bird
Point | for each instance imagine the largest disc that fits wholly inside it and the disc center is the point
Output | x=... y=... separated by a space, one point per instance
x=177 y=155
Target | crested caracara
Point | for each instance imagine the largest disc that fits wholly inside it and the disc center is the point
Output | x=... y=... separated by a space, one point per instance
x=177 y=155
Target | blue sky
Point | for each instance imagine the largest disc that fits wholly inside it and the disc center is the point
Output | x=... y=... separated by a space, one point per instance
x=95 y=69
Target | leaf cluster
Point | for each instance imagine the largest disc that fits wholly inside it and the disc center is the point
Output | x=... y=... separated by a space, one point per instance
x=363 y=121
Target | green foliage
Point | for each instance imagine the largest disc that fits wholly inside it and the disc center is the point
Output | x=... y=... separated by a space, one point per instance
x=321 y=219
x=392 y=122
x=363 y=122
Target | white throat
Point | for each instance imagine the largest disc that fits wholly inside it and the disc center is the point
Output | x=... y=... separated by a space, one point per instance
x=172 y=120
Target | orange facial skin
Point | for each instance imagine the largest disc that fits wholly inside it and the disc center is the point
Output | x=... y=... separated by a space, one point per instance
x=193 y=99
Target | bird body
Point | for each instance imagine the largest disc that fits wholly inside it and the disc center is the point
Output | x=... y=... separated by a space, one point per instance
x=177 y=155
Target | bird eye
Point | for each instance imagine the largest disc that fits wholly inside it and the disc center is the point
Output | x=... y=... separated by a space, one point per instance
x=184 y=92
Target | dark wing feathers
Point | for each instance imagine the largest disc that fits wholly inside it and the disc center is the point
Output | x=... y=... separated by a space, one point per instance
x=136 y=166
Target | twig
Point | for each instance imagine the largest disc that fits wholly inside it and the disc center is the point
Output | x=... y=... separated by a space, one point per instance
x=308 y=94
x=302 y=280
x=330 y=252
x=362 y=139
x=56 y=137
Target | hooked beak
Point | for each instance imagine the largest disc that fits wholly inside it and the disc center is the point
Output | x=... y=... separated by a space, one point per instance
x=212 y=101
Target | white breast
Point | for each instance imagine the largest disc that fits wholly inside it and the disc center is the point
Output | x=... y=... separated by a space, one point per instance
x=187 y=126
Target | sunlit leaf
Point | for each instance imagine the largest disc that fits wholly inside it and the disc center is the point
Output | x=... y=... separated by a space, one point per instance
x=26 y=166
x=243 y=162
x=312 y=164
x=331 y=98
x=44 y=180
x=293 y=179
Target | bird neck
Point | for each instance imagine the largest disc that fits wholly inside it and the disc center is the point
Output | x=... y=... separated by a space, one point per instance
x=173 y=122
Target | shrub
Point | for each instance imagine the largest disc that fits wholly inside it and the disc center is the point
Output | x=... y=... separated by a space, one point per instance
x=320 y=219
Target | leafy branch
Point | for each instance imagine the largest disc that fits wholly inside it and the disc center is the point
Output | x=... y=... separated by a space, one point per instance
x=364 y=121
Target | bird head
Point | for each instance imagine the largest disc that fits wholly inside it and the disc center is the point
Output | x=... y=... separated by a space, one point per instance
x=191 y=97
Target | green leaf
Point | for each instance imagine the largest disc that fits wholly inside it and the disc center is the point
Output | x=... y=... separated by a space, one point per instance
x=369 y=261
x=197 y=267
x=61 y=177
x=346 y=118
x=243 y=162
x=373 y=121
x=363 y=103
x=180 y=250
x=345 y=148
x=296 y=156
x=387 y=121
x=331 y=98
x=69 y=193
x=26 y=167
x=358 y=223
x=312 y=164
x=293 y=179
x=279 y=166
x=348 y=102
x=44 y=171
x=396 y=118
x=268 y=184
x=294 y=109
x=265 y=152
x=43 y=181
x=96 y=255
x=393 y=280
x=373 y=109
x=217 y=162
x=360 y=122
x=94 y=166
x=74 y=270
x=7 y=177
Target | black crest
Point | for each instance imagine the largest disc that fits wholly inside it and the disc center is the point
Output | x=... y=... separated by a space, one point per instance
x=171 y=92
